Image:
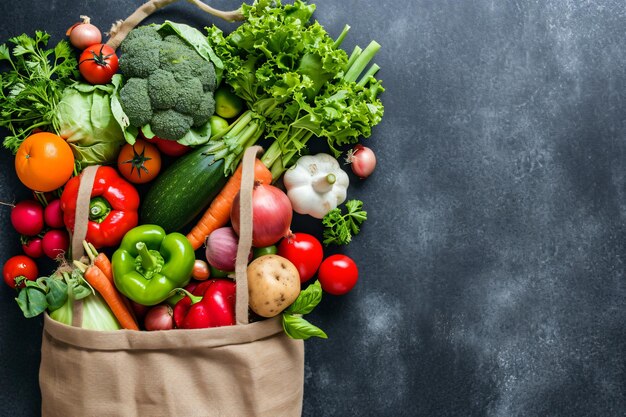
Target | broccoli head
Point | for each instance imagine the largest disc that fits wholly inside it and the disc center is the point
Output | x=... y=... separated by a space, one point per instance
x=170 y=124
x=136 y=102
x=177 y=84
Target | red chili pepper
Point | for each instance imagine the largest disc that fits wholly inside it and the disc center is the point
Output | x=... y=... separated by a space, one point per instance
x=112 y=210
x=214 y=308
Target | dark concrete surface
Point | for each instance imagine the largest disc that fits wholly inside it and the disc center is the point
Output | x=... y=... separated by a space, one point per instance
x=492 y=264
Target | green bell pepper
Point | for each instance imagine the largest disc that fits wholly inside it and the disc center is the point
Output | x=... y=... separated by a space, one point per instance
x=150 y=264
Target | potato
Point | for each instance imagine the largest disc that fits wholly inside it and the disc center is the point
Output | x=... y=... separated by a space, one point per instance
x=273 y=285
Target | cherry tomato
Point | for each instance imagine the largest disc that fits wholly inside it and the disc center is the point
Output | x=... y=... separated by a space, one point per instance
x=304 y=251
x=338 y=274
x=19 y=265
x=98 y=63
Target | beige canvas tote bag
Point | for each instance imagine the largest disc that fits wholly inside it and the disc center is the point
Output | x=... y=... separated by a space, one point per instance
x=245 y=370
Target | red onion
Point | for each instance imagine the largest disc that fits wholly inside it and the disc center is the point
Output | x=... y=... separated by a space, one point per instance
x=159 y=317
x=221 y=249
x=271 y=215
x=84 y=34
x=362 y=160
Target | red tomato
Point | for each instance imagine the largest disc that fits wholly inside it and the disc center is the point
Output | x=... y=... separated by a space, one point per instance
x=19 y=265
x=169 y=147
x=304 y=251
x=338 y=274
x=98 y=63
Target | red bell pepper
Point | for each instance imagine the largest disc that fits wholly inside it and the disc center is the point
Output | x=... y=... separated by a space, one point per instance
x=112 y=209
x=215 y=307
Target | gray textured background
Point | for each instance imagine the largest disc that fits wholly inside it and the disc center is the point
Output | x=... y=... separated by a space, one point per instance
x=492 y=265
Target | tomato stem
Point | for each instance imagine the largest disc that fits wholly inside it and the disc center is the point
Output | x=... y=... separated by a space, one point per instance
x=138 y=162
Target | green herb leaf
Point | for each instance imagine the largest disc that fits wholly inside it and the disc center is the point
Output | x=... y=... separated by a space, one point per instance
x=298 y=328
x=339 y=227
x=5 y=54
x=307 y=300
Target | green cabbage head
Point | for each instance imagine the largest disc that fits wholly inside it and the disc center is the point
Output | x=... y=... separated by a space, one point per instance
x=86 y=122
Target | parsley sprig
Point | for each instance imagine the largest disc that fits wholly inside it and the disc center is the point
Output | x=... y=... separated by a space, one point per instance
x=339 y=227
x=32 y=85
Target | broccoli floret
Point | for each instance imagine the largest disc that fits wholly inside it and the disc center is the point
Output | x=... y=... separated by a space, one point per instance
x=140 y=57
x=136 y=102
x=162 y=89
x=189 y=96
x=175 y=39
x=205 y=72
x=147 y=31
x=178 y=83
x=205 y=110
x=170 y=124
x=179 y=59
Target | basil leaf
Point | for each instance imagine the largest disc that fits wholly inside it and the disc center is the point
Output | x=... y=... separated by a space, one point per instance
x=297 y=327
x=307 y=300
x=32 y=301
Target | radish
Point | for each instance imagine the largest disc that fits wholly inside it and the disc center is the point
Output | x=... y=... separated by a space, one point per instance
x=53 y=215
x=55 y=243
x=33 y=247
x=27 y=217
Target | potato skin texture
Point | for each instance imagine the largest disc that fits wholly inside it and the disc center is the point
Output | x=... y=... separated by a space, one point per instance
x=273 y=285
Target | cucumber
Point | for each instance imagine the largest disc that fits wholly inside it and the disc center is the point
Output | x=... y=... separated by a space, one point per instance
x=183 y=190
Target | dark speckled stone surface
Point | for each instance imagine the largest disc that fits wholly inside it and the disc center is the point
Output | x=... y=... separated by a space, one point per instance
x=492 y=266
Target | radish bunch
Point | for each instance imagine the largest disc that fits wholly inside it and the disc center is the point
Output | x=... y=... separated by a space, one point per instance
x=42 y=228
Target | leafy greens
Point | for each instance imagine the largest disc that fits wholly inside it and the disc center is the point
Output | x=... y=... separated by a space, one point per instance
x=298 y=83
x=33 y=85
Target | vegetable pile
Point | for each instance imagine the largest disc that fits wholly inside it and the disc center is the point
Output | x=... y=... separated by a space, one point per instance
x=166 y=118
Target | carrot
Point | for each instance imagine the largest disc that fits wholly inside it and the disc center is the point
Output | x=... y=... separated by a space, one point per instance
x=218 y=213
x=101 y=260
x=100 y=282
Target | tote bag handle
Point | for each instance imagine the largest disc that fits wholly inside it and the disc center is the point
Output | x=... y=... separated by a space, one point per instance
x=81 y=220
x=245 y=232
